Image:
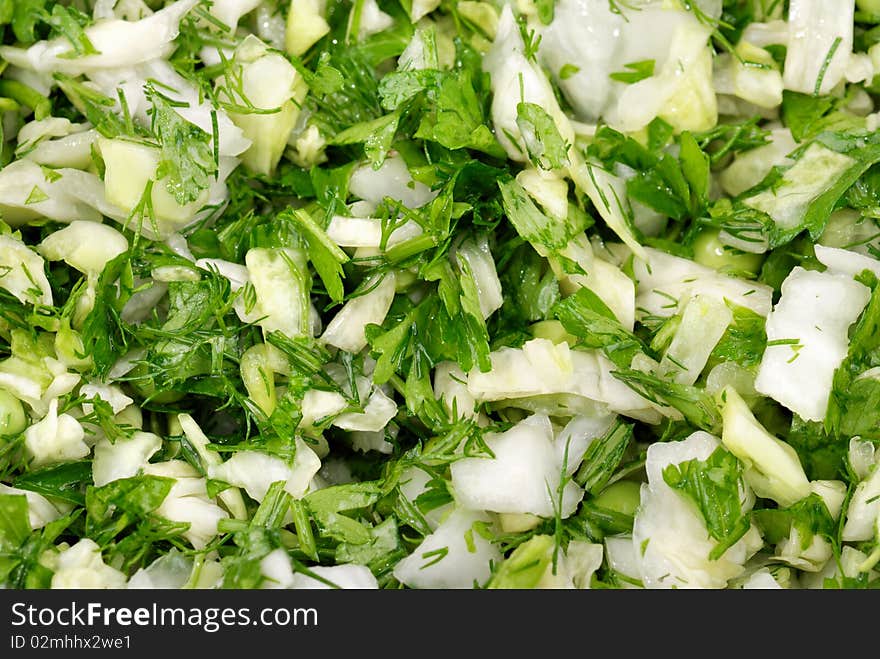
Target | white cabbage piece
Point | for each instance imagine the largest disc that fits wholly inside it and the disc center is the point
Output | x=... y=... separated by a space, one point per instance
x=278 y=572
x=27 y=193
x=564 y=568
x=85 y=246
x=523 y=477
x=128 y=9
x=230 y=12
x=37 y=380
x=623 y=559
x=664 y=282
x=863 y=512
x=37 y=130
x=516 y=79
x=772 y=32
x=820 y=42
x=377 y=440
x=611 y=285
x=346 y=329
x=818 y=551
x=845 y=261
x=421 y=52
x=421 y=8
x=575 y=438
x=546 y=188
x=475 y=259
x=82 y=567
x=669 y=533
x=56 y=142
x=575 y=568
x=192 y=106
x=772 y=467
x=755 y=77
x=41 y=511
x=231 y=497
x=372 y=20
x=129 y=168
x=600 y=39
x=809 y=326
x=761 y=580
x=681 y=92
x=55 y=438
x=450 y=388
x=848 y=229
x=750 y=167
x=318 y=405
x=351 y=577
x=279 y=277
x=188 y=501
x=392 y=180
x=588 y=35
x=367 y=232
x=169 y=571
x=255 y=471
x=305 y=25
x=607 y=191
x=118 y=44
x=269 y=25
x=862 y=456
x=23 y=272
x=188 y=102
x=124 y=457
x=412 y=483
x=542 y=368
x=378 y=413
x=453 y=556
x=853 y=564
x=72 y=151
x=812 y=559
x=816 y=170
x=703 y=323
x=258 y=366
x=265 y=80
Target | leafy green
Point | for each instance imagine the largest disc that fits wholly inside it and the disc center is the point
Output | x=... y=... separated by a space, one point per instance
x=255 y=539
x=743 y=341
x=544 y=144
x=328 y=504
x=603 y=457
x=587 y=317
x=324 y=254
x=809 y=516
x=525 y=566
x=533 y=225
x=697 y=406
x=187 y=157
x=65 y=481
x=376 y=136
x=21 y=551
x=637 y=71
x=854 y=404
x=715 y=485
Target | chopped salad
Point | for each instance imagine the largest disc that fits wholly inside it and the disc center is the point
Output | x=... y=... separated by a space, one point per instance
x=439 y=294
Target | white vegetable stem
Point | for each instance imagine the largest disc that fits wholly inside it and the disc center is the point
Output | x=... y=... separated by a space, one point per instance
x=807 y=339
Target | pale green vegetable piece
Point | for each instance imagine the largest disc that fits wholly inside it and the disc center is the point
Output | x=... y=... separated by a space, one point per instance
x=22 y=272
x=86 y=246
x=773 y=468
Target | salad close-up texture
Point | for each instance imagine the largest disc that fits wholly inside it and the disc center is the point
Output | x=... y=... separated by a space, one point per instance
x=440 y=294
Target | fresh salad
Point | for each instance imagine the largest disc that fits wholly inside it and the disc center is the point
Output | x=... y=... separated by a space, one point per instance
x=439 y=294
